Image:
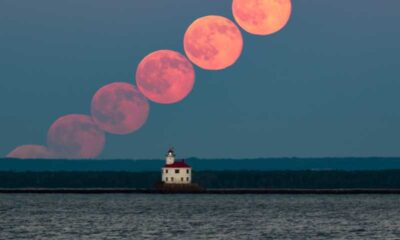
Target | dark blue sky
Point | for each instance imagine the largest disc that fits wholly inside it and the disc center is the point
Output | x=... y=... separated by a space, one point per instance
x=326 y=85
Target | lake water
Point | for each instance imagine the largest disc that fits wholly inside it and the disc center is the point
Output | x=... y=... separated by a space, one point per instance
x=136 y=216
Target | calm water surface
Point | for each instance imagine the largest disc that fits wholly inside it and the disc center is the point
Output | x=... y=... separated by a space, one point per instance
x=135 y=216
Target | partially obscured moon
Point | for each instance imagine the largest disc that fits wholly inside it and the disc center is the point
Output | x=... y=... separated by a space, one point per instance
x=262 y=17
x=75 y=136
x=213 y=42
x=30 y=151
x=119 y=108
x=165 y=76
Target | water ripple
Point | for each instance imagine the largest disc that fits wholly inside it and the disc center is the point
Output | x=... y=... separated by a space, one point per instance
x=35 y=216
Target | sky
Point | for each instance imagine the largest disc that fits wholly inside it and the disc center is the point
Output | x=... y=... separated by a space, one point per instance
x=325 y=85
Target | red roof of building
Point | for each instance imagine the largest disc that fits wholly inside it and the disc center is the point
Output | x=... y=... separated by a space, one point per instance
x=176 y=164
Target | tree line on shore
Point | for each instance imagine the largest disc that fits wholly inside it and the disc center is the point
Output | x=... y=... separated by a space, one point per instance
x=303 y=179
x=208 y=179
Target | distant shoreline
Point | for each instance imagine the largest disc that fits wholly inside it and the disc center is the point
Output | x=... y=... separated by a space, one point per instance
x=215 y=181
x=259 y=164
x=208 y=191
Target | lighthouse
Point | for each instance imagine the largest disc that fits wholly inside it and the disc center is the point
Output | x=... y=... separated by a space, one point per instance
x=175 y=172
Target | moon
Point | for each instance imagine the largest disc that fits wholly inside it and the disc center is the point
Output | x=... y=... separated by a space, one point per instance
x=30 y=152
x=213 y=42
x=262 y=17
x=165 y=76
x=119 y=108
x=75 y=136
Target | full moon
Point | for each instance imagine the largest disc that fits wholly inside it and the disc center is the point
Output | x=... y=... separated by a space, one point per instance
x=119 y=108
x=30 y=151
x=213 y=42
x=262 y=17
x=75 y=136
x=165 y=76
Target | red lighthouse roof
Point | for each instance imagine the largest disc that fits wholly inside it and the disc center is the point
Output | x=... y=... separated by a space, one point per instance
x=177 y=164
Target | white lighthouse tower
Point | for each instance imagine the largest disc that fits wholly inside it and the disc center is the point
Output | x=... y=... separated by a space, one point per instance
x=170 y=158
x=175 y=172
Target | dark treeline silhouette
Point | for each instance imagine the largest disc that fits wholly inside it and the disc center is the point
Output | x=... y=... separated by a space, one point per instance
x=208 y=179
x=260 y=164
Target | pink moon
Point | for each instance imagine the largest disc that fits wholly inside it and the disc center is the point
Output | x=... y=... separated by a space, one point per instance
x=262 y=17
x=119 y=108
x=165 y=76
x=30 y=152
x=75 y=136
x=213 y=42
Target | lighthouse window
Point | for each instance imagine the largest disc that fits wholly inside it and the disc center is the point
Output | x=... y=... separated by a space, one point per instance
x=181 y=179
x=166 y=170
x=187 y=171
x=176 y=170
x=172 y=179
x=166 y=179
x=187 y=179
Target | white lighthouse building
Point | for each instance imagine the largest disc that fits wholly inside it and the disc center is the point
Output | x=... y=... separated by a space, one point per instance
x=175 y=172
